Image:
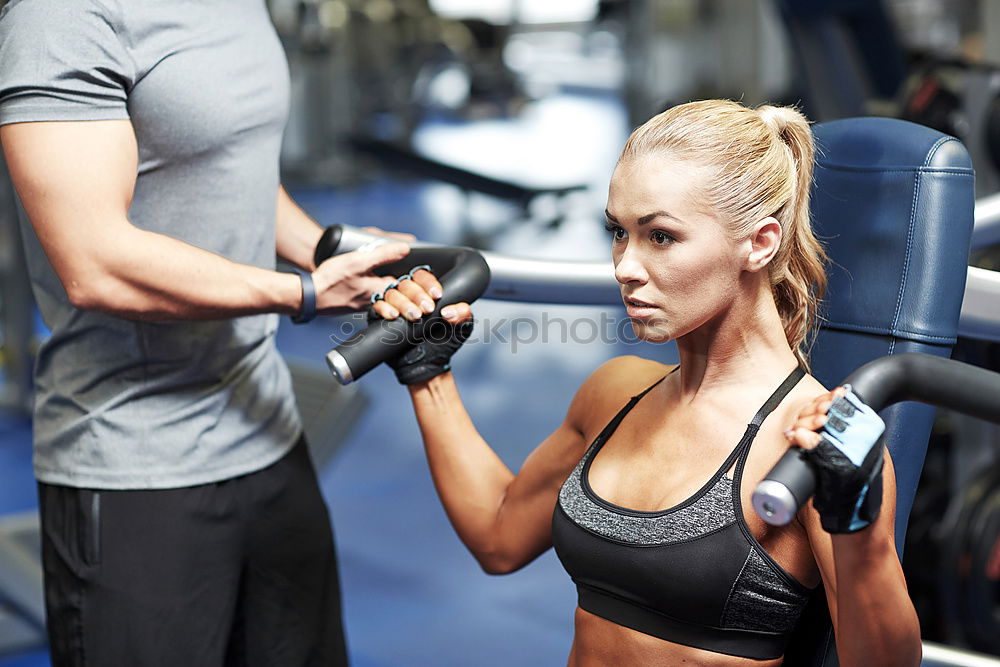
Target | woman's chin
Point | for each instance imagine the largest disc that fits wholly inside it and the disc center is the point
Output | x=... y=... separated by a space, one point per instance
x=650 y=333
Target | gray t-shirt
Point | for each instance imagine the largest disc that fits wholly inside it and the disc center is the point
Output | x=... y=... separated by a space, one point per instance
x=127 y=404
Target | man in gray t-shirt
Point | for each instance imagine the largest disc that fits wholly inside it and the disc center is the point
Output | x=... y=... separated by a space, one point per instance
x=143 y=140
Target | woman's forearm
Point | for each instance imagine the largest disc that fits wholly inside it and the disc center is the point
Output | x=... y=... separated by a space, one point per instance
x=877 y=624
x=470 y=478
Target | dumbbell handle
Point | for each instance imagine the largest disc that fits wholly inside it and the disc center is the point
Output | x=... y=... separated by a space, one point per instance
x=880 y=383
x=462 y=272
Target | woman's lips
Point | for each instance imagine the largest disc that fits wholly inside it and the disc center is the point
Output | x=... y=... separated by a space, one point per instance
x=639 y=309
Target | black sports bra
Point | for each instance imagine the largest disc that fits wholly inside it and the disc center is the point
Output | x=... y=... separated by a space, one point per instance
x=692 y=574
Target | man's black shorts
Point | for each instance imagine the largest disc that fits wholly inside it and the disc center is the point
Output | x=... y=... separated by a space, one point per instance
x=238 y=572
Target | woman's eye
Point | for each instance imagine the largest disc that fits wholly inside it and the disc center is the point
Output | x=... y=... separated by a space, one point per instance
x=617 y=232
x=660 y=237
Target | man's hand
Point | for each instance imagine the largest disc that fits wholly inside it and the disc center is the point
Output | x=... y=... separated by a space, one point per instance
x=347 y=282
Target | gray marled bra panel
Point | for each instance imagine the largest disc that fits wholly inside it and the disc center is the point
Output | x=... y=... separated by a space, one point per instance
x=761 y=599
x=712 y=511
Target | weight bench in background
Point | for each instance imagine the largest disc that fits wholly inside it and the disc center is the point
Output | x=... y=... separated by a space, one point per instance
x=405 y=158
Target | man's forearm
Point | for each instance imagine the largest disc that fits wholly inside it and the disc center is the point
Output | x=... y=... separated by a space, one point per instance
x=296 y=234
x=80 y=215
x=162 y=278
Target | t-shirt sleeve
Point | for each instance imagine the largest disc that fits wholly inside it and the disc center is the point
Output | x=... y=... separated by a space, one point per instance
x=62 y=60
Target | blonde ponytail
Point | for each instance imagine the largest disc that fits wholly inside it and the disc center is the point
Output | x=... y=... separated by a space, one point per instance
x=798 y=273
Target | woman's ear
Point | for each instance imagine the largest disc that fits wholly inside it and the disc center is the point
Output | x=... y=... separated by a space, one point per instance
x=764 y=241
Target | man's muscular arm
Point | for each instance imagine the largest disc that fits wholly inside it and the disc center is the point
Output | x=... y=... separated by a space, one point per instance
x=76 y=181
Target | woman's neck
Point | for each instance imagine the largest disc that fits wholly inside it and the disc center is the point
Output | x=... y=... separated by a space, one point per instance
x=744 y=344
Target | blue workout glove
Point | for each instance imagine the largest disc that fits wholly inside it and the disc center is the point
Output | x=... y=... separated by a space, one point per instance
x=848 y=465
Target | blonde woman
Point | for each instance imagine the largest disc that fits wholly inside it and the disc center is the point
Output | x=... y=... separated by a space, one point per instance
x=644 y=488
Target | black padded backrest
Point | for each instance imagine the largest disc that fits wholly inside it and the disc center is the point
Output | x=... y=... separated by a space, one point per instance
x=893 y=202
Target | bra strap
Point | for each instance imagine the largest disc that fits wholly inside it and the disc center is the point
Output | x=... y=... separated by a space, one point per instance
x=613 y=424
x=778 y=395
x=742 y=450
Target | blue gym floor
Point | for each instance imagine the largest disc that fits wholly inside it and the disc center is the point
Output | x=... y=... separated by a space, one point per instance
x=413 y=596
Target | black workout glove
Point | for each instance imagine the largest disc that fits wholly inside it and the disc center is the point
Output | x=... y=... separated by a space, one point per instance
x=432 y=355
x=848 y=465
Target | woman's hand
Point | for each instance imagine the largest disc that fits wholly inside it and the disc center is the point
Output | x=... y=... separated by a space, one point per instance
x=442 y=338
x=847 y=460
x=813 y=415
x=412 y=295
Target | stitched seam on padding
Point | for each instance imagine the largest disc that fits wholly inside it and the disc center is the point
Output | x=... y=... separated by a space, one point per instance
x=956 y=171
x=900 y=333
x=909 y=243
x=934 y=149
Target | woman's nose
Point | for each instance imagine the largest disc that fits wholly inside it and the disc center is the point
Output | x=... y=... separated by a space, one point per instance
x=629 y=267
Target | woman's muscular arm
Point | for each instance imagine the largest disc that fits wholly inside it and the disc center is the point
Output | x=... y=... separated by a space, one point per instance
x=505 y=519
x=873 y=618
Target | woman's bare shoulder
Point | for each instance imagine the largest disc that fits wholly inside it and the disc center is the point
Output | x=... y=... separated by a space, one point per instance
x=629 y=374
x=611 y=386
x=809 y=387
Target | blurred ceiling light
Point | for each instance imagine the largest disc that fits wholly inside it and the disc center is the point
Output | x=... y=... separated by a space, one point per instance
x=380 y=11
x=333 y=14
x=456 y=36
x=501 y=12
x=449 y=88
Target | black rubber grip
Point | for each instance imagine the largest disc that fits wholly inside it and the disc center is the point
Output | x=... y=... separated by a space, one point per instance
x=463 y=274
x=904 y=377
x=329 y=244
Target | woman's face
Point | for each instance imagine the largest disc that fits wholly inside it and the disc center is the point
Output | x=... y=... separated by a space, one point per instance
x=677 y=266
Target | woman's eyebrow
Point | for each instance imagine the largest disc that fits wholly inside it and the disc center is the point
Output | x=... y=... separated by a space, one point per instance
x=649 y=217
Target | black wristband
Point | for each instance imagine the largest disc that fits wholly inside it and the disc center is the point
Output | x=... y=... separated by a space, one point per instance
x=308 y=310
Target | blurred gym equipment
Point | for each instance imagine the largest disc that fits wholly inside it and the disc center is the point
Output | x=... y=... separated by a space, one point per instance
x=850 y=61
x=16 y=306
